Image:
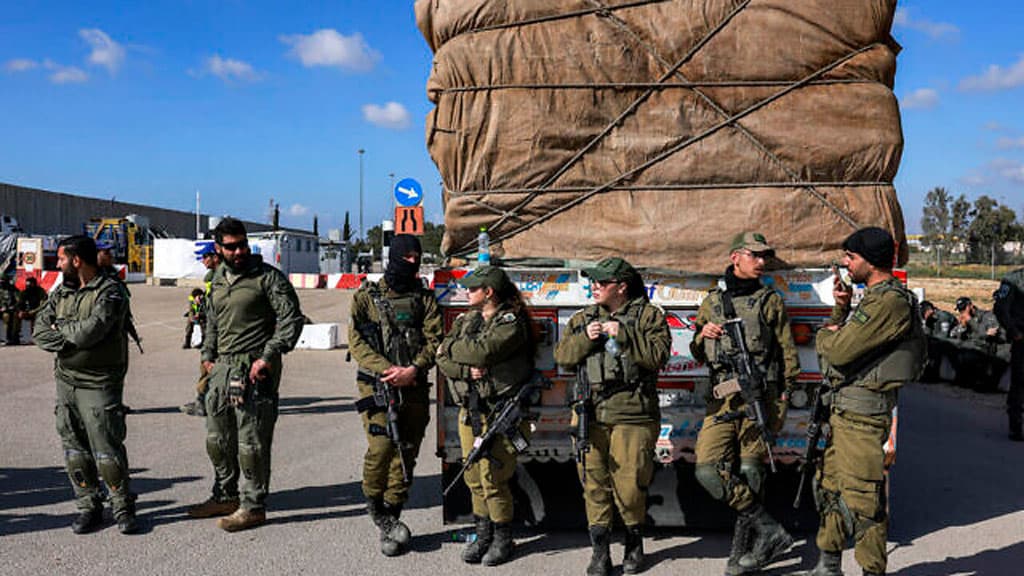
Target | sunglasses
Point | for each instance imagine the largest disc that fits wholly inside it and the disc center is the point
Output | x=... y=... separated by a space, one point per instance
x=234 y=246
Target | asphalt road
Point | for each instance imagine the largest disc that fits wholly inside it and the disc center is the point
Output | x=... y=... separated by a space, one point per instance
x=958 y=487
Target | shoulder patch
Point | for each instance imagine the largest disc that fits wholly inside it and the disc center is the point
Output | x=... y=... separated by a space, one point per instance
x=508 y=317
x=860 y=317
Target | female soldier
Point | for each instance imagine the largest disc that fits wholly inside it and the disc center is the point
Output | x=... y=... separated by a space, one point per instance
x=487 y=357
x=619 y=343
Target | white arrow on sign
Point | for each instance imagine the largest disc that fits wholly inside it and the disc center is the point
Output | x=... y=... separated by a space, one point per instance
x=409 y=192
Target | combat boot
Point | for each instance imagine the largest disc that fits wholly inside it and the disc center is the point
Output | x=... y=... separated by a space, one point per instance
x=397 y=531
x=87 y=521
x=384 y=522
x=633 y=560
x=770 y=539
x=500 y=550
x=600 y=558
x=125 y=518
x=829 y=564
x=741 y=536
x=242 y=519
x=475 y=551
x=214 y=507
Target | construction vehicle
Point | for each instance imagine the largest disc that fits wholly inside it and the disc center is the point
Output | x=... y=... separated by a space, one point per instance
x=129 y=238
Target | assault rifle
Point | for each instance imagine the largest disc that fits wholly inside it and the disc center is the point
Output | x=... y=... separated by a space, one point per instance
x=819 y=414
x=582 y=407
x=505 y=420
x=385 y=398
x=752 y=385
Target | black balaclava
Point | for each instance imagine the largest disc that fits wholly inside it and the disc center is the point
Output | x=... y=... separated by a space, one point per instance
x=401 y=276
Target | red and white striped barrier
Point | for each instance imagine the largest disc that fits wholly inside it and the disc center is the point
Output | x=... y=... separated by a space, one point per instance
x=307 y=280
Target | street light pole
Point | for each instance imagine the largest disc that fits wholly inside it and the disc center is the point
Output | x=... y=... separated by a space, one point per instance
x=362 y=231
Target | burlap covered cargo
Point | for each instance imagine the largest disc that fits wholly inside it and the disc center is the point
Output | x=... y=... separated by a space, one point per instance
x=657 y=130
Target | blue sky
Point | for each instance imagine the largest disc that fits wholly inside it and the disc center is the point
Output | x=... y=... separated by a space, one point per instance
x=247 y=101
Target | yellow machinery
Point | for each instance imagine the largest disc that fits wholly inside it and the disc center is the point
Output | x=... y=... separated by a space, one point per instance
x=128 y=237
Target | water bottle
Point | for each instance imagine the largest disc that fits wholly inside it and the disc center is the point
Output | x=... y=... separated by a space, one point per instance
x=467 y=536
x=483 y=248
x=612 y=347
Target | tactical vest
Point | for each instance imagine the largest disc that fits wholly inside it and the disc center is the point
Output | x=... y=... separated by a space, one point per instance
x=609 y=374
x=503 y=378
x=870 y=388
x=761 y=341
x=401 y=323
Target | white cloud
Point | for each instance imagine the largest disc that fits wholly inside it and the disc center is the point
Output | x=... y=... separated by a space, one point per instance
x=228 y=69
x=1008 y=143
x=996 y=77
x=922 y=98
x=65 y=74
x=1012 y=170
x=936 y=30
x=105 y=51
x=994 y=127
x=20 y=65
x=391 y=115
x=298 y=210
x=327 y=47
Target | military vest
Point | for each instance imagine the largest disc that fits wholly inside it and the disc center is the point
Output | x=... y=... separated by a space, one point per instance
x=401 y=323
x=761 y=341
x=610 y=373
x=1010 y=319
x=502 y=378
x=869 y=387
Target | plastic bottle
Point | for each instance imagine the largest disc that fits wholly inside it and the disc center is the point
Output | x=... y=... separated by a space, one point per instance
x=612 y=347
x=483 y=248
x=466 y=536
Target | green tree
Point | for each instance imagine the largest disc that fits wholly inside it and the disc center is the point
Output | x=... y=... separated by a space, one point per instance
x=959 y=222
x=991 y=226
x=935 y=222
x=346 y=230
x=432 y=236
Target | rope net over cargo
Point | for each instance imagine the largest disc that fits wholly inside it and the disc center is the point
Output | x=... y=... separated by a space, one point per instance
x=659 y=129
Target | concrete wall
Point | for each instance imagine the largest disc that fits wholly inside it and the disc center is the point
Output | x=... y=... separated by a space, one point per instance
x=44 y=212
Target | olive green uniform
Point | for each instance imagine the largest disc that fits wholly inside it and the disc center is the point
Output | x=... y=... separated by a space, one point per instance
x=501 y=345
x=626 y=419
x=253 y=314
x=730 y=454
x=1009 y=309
x=878 y=349
x=937 y=328
x=416 y=318
x=9 y=297
x=204 y=375
x=85 y=327
x=981 y=359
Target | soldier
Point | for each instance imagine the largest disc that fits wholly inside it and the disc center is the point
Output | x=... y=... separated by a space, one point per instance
x=30 y=302
x=620 y=343
x=865 y=355
x=978 y=338
x=211 y=259
x=393 y=333
x=83 y=322
x=488 y=355
x=9 y=310
x=937 y=325
x=1009 y=309
x=730 y=450
x=253 y=319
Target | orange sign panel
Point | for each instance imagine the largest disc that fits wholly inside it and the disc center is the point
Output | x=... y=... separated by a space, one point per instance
x=409 y=220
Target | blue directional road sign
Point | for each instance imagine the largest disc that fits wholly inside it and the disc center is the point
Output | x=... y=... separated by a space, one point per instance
x=408 y=192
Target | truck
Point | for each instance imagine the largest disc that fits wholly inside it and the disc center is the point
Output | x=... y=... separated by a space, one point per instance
x=657 y=132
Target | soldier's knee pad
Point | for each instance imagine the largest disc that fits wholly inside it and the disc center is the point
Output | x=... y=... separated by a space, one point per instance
x=249 y=461
x=112 y=470
x=81 y=468
x=217 y=449
x=712 y=481
x=752 y=472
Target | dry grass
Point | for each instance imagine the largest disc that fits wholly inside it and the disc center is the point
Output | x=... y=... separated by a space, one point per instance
x=943 y=292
